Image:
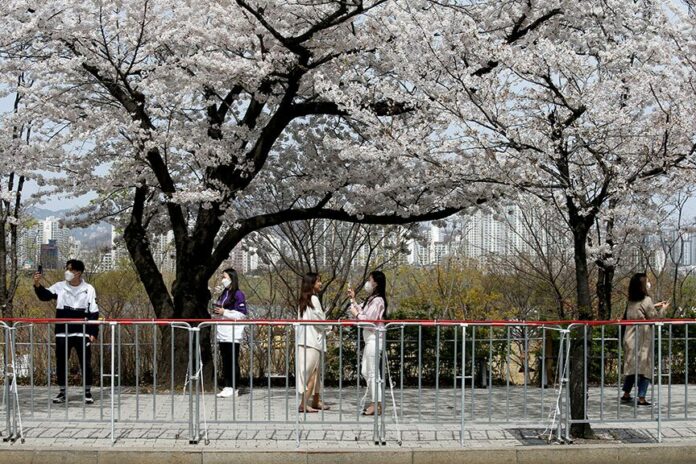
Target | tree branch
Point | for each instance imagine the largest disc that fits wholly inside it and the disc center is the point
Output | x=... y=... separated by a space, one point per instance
x=234 y=236
x=516 y=34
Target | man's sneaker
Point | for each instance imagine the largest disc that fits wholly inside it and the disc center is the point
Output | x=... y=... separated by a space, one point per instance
x=227 y=392
x=60 y=398
x=88 y=398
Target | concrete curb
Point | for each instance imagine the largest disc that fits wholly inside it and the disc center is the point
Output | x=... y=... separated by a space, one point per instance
x=561 y=454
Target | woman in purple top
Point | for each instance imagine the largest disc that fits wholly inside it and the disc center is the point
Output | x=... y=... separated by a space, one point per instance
x=230 y=305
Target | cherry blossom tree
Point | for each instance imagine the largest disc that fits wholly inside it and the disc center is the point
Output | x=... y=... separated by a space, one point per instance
x=596 y=108
x=196 y=117
x=13 y=175
x=193 y=118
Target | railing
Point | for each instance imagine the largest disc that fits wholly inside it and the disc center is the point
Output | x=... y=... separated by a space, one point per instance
x=448 y=375
x=670 y=369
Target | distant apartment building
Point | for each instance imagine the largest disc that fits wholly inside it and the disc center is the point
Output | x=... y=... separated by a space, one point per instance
x=430 y=248
x=111 y=256
x=164 y=251
x=503 y=233
x=47 y=243
x=483 y=234
x=244 y=260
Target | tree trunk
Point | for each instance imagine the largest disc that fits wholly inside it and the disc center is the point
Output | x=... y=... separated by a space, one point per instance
x=606 y=268
x=605 y=283
x=4 y=297
x=577 y=359
x=191 y=297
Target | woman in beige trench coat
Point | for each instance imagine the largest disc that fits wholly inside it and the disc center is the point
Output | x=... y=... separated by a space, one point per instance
x=638 y=339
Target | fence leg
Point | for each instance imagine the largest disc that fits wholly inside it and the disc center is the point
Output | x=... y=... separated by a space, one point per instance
x=383 y=374
x=193 y=418
x=297 y=394
x=375 y=391
x=658 y=326
x=463 y=380
x=562 y=362
x=565 y=391
x=112 y=325
x=8 y=389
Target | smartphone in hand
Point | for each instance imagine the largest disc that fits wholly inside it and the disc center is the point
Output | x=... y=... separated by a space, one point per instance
x=40 y=269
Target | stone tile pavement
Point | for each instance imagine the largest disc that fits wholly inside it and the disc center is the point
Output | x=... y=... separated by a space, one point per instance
x=265 y=419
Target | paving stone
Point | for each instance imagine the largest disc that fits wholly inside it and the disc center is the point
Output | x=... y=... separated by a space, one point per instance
x=42 y=429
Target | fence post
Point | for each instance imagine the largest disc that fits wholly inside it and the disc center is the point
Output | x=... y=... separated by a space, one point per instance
x=562 y=362
x=658 y=326
x=112 y=325
x=382 y=371
x=295 y=326
x=7 y=390
x=194 y=374
x=463 y=380
x=564 y=373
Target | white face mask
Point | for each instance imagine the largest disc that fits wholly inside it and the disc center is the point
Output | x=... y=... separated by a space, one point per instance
x=69 y=276
x=648 y=285
x=368 y=287
x=226 y=282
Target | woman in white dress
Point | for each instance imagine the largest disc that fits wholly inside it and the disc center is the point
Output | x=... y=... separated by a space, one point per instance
x=309 y=341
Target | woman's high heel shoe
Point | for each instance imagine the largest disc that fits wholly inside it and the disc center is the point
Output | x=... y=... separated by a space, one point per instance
x=370 y=411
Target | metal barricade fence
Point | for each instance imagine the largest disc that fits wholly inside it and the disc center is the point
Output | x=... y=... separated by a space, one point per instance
x=482 y=354
x=6 y=379
x=414 y=374
x=658 y=353
x=31 y=369
x=449 y=375
x=271 y=404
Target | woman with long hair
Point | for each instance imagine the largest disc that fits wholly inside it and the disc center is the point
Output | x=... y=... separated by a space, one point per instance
x=374 y=308
x=309 y=341
x=638 y=339
x=230 y=305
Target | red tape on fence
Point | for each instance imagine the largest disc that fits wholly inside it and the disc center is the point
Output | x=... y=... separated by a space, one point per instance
x=423 y=322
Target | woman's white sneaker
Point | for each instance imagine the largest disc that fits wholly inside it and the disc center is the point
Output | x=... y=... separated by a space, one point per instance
x=227 y=392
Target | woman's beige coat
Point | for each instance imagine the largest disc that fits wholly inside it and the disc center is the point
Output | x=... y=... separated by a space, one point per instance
x=639 y=338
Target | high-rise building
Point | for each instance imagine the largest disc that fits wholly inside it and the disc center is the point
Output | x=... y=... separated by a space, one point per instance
x=430 y=248
x=53 y=230
x=47 y=243
x=244 y=260
x=29 y=246
x=502 y=233
x=478 y=236
x=164 y=251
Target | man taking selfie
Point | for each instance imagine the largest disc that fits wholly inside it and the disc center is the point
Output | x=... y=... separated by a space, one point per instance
x=75 y=299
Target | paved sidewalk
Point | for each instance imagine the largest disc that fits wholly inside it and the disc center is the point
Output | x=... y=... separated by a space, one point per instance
x=265 y=419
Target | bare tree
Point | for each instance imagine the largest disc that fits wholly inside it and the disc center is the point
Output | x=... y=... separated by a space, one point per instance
x=539 y=253
x=664 y=251
x=343 y=253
